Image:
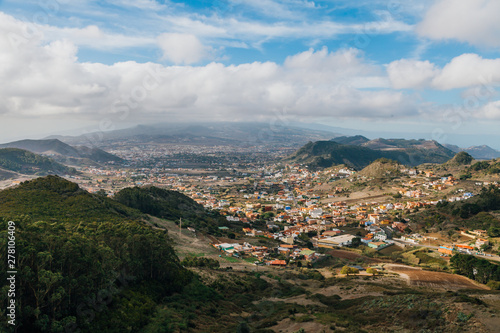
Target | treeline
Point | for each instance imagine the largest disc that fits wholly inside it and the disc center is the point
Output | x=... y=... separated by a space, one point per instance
x=191 y=261
x=478 y=269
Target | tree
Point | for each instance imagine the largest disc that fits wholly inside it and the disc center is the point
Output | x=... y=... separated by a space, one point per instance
x=372 y=271
x=349 y=270
x=356 y=242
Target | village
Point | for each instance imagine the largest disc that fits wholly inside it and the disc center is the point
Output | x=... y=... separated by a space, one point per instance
x=305 y=211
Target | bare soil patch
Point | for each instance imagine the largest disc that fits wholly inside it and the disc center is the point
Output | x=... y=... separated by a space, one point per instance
x=349 y=255
x=420 y=278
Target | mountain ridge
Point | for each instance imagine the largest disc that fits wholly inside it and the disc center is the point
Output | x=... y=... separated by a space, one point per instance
x=323 y=154
x=63 y=152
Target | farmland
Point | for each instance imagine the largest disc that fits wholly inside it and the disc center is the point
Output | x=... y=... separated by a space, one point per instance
x=438 y=280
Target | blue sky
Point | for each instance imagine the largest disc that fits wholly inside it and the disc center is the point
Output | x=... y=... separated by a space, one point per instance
x=426 y=68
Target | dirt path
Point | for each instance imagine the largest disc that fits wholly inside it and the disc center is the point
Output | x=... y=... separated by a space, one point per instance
x=439 y=280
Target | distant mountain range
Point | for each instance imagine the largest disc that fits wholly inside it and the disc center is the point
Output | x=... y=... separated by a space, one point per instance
x=211 y=134
x=64 y=153
x=483 y=152
x=13 y=160
x=358 y=152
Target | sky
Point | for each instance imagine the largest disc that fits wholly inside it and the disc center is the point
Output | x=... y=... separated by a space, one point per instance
x=428 y=68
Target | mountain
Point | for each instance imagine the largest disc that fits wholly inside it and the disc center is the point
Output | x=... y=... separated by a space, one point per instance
x=209 y=134
x=483 y=152
x=323 y=154
x=23 y=161
x=86 y=262
x=63 y=152
x=357 y=140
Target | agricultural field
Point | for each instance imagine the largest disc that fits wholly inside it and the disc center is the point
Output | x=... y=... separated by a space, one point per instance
x=438 y=280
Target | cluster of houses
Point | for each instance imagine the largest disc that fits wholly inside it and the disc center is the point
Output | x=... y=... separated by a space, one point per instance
x=269 y=256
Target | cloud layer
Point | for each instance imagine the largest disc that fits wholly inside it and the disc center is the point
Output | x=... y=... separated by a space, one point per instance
x=472 y=21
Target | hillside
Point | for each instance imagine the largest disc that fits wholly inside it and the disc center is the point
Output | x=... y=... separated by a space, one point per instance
x=72 y=245
x=483 y=152
x=23 y=161
x=322 y=154
x=4 y=174
x=381 y=168
x=63 y=152
x=171 y=205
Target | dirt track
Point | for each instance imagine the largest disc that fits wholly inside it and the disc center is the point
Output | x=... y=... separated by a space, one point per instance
x=420 y=278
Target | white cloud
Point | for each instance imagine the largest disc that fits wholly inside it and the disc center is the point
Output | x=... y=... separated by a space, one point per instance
x=489 y=111
x=39 y=79
x=407 y=73
x=182 y=48
x=466 y=70
x=473 y=21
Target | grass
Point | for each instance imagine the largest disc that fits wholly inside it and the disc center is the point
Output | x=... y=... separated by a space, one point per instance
x=250 y=260
x=231 y=259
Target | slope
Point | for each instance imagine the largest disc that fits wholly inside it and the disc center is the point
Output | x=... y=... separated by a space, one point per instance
x=173 y=206
x=73 y=247
x=323 y=154
x=23 y=161
x=63 y=152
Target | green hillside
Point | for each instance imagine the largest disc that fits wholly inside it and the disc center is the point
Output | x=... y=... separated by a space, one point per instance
x=171 y=205
x=74 y=247
x=63 y=152
x=25 y=162
x=323 y=154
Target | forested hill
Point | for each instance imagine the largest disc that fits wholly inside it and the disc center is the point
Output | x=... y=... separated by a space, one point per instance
x=323 y=154
x=173 y=206
x=25 y=162
x=86 y=263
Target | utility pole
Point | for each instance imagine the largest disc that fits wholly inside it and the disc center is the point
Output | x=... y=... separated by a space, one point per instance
x=180 y=227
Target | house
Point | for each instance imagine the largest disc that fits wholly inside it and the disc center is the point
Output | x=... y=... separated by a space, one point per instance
x=481 y=241
x=277 y=262
x=331 y=242
x=446 y=250
x=374 y=217
x=333 y=232
x=378 y=245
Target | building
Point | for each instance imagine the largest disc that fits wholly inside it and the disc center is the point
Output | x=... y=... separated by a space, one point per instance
x=336 y=241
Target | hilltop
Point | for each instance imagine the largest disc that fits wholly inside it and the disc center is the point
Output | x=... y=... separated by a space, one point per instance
x=381 y=168
x=25 y=162
x=63 y=152
x=322 y=154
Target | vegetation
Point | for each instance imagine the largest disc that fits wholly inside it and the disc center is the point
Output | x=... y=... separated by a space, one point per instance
x=84 y=260
x=349 y=270
x=462 y=158
x=474 y=213
x=23 y=161
x=478 y=269
x=171 y=205
x=191 y=261
x=323 y=154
